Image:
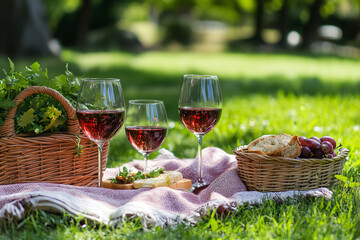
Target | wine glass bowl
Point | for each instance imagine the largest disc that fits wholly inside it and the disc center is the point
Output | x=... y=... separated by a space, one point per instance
x=146 y=126
x=100 y=110
x=100 y=125
x=200 y=107
x=199 y=120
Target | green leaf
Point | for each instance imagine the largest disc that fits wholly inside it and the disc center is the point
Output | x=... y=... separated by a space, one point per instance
x=38 y=129
x=60 y=121
x=50 y=125
x=27 y=118
x=341 y=178
x=79 y=148
x=354 y=184
x=35 y=66
x=213 y=222
x=7 y=104
x=51 y=113
x=127 y=176
x=12 y=66
x=61 y=80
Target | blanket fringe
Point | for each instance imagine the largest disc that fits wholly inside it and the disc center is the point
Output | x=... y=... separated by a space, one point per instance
x=13 y=210
x=150 y=216
x=253 y=198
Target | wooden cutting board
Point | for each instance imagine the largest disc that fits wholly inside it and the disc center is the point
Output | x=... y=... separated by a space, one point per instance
x=181 y=184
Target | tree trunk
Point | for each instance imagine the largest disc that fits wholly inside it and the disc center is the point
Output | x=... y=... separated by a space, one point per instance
x=23 y=28
x=310 y=28
x=259 y=21
x=35 y=35
x=283 y=23
x=12 y=14
x=84 y=22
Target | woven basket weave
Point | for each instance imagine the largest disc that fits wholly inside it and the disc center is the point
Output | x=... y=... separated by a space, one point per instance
x=28 y=158
x=274 y=174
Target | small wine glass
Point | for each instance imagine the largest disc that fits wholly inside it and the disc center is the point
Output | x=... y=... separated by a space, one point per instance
x=200 y=106
x=146 y=126
x=100 y=110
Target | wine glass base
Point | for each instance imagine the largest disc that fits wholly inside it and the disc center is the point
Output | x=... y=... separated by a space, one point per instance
x=198 y=186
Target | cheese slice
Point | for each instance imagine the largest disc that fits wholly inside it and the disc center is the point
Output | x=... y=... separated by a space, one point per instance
x=151 y=183
x=173 y=176
x=164 y=180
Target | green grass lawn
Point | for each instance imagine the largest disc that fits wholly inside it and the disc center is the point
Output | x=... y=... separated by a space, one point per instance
x=262 y=94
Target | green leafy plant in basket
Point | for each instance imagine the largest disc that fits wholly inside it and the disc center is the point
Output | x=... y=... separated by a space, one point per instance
x=38 y=113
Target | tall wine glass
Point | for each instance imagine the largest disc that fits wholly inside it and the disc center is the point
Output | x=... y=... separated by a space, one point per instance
x=100 y=111
x=146 y=126
x=200 y=106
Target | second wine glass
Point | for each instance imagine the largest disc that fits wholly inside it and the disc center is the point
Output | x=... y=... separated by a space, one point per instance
x=200 y=106
x=146 y=126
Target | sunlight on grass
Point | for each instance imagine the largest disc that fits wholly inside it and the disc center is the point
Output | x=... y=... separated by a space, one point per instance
x=228 y=65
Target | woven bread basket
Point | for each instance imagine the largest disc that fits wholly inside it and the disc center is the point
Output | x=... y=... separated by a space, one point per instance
x=26 y=158
x=275 y=174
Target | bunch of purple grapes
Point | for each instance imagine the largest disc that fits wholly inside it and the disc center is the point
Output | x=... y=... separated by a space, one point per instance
x=317 y=148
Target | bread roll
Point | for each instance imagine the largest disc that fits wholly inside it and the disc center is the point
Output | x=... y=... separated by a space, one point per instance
x=283 y=145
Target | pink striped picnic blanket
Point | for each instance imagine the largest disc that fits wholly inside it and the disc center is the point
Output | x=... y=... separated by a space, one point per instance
x=160 y=206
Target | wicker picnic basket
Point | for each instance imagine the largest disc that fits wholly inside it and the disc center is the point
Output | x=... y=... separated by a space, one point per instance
x=274 y=174
x=49 y=158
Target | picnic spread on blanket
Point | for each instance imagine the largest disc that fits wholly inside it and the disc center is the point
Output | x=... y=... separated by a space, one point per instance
x=161 y=206
x=46 y=172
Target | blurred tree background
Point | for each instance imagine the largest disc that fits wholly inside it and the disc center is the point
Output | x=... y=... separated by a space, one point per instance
x=266 y=48
x=38 y=27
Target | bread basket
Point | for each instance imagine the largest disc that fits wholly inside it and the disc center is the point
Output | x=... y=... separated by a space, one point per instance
x=275 y=174
x=28 y=158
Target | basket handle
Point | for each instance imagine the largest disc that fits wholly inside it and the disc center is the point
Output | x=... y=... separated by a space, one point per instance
x=8 y=128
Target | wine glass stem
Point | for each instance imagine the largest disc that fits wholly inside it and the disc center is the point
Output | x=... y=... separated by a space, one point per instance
x=100 y=149
x=145 y=161
x=200 y=170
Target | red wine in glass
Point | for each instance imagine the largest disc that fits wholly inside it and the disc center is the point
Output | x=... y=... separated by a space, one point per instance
x=100 y=110
x=200 y=120
x=200 y=105
x=100 y=125
x=146 y=125
x=146 y=139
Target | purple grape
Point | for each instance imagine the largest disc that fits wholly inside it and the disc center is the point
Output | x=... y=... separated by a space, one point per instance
x=329 y=139
x=305 y=152
x=302 y=140
x=311 y=143
x=316 y=139
x=331 y=155
x=317 y=153
x=327 y=147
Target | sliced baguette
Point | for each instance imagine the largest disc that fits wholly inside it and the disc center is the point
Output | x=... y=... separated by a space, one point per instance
x=292 y=149
x=283 y=145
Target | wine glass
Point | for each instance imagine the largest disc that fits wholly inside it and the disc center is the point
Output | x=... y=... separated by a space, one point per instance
x=100 y=110
x=200 y=107
x=146 y=126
